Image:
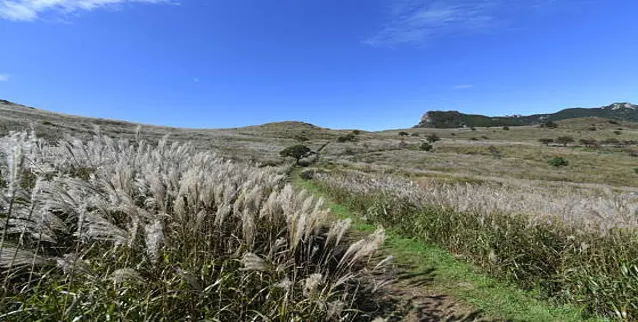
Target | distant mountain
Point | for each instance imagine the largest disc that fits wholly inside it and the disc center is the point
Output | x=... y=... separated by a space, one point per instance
x=455 y=119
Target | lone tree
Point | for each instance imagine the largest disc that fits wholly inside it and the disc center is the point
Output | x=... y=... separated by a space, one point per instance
x=546 y=141
x=296 y=151
x=564 y=140
x=433 y=138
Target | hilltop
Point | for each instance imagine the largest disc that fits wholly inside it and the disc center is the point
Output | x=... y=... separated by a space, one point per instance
x=455 y=119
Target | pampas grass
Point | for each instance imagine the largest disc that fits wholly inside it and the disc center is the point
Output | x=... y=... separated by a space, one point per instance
x=574 y=248
x=115 y=230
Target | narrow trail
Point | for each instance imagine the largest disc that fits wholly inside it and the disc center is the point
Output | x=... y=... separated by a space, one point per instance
x=432 y=285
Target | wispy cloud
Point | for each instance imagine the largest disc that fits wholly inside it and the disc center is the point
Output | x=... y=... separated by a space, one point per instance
x=30 y=10
x=416 y=21
x=463 y=86
x=4 y=77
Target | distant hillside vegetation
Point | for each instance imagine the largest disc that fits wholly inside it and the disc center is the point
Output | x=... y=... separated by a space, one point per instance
x=454 y=119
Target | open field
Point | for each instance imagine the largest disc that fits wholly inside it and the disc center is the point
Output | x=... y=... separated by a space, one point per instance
x=487 y=196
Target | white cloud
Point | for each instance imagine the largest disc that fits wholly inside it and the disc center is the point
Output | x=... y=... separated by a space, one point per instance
x=463 y=86
x=30 y=10
x=416 y=21
x=4 y=77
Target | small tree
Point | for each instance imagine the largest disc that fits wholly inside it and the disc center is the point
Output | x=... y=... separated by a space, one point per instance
x=296 y=151
x=433 y=138
x=564 y=140
x=546 y=141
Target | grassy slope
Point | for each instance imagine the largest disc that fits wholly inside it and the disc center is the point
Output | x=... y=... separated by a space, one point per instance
x=455 y=278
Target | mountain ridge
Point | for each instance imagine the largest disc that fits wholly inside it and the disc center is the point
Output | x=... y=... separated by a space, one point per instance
x=454 y=119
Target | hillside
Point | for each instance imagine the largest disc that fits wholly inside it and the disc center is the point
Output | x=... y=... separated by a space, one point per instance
x=455 y=119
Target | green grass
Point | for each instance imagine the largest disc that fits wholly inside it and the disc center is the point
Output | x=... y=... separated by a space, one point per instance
x=455 y=278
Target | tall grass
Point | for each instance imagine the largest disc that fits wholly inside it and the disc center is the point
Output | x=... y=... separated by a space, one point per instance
x=535 y=239
x=117 y=230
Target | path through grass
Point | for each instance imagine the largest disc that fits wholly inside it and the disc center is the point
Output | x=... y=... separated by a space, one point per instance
x=452 y=277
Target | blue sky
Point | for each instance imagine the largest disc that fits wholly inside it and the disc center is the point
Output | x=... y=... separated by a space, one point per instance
x=373 y=64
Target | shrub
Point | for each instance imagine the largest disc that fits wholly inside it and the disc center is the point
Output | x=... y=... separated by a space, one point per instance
x=414 y=134
x=558 y=162
x=613 y=122
x=546 y=141
x=590 y=143
x=432 y=138
x=296 y=151
x=425 y=146
x=474 y=139
x=617 y=132
x=301 y=138
x=350 y=137
x=506 y=128
x=564 y=140
x=473 y=128
x=592 y=128
x=549 y=124
x=485 y=137
x=635 y=170
x=402 y=133
x=356 y=132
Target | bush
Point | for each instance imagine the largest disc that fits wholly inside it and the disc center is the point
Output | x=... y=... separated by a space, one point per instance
x=425 y=146
x=473 y=128
x=474 y=139
x=301 y=138
x=414 y=134
x=590 y=143
x=350 y=137
x=549 y=125
x=546 y=141
x=402 y=133
x=506 y=128
x=613 y=122
x=558 y=162
x=296 y=151
x=356 y=132
x=617 y=132
x=432 y=138
x=564 y=140
x=635 y=170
